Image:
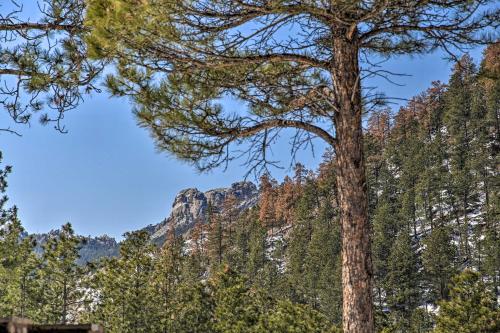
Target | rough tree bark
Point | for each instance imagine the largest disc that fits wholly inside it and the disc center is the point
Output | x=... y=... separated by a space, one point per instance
x=281 y=78
x=352 y=189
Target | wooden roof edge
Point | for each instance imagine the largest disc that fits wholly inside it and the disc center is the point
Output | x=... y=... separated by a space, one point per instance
x=17 y=321
x=69 y=327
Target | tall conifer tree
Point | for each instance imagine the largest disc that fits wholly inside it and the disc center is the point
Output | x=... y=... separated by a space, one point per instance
x=126 y=301
x=61 y=277
x=298 y=67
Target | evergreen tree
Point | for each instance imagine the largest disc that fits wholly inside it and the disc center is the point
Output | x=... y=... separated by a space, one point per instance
x=458 y=120
x=401 y=283
x=300 y=238
x=432 y=174
x=260 y=269
x=267 y=202
x=322 y=267
x=487 y=147
x=188 y=55
x=239 y=254
x=216 y=239
x=167 y=275
x=409 y=163
x=19 y=269
x=192 y=310
x=472 y=307
x=126 y=301
x=385 y=228
x=237 y=308
x=376 y=142
x=18 y=263
x=287 y=317
x=439 y=262
x=43 y=61
x=285 y=201
x=4 y=172
x=421 y=321
x=196 y=263
x=61 y=278
x=229 y=216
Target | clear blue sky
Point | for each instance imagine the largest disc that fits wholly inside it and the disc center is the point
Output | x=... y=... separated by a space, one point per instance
x=105 y=176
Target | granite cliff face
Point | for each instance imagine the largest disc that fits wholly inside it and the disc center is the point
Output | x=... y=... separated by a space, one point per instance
x=190 y=206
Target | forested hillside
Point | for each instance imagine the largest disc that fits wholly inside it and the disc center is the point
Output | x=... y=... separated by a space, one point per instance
x=433 y=180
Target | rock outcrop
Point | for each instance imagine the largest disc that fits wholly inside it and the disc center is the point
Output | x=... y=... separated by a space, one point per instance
x=190 y=206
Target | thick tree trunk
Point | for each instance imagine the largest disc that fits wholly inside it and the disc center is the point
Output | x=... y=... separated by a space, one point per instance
x=352 y=188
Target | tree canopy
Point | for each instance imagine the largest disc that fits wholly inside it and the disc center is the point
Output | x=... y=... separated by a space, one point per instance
x=287 y=64
x=44 y=68
x=290 y=64
x=177 y=59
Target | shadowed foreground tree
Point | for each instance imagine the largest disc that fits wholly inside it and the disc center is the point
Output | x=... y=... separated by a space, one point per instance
x=44 y=66
x=292 y=64
x=17 y=259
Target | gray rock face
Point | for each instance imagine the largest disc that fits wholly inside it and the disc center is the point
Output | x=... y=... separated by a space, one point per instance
x=190 y=206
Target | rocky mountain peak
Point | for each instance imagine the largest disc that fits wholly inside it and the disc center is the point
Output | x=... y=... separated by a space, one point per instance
x=190 y=206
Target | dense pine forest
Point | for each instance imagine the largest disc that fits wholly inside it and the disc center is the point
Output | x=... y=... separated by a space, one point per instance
x=434 y=207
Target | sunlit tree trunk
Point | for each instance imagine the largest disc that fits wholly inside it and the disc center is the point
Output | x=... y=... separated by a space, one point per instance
x=351 y=182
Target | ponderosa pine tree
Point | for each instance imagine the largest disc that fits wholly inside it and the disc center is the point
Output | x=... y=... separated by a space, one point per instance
x=5 y=213
x=322 y=264
x=238 y=255
x=458 y=122
x=257 y=256
x=44 y=68
x=267 y=202
x=192 y=310
x=261 y=254
x=300 y=238
x=195 y=264
x=229 y=215
x=285 y=201
x=433 y=180
x=485 y=146
x=402 y=282
x=385 y=229
x=294 y=64
x=61 y=278
x=19 y=266
x=439 y=262
x=326 y=240
x=125 y=299
x=216 y=238
x=166 y=276
x=237 y=307
x=18 y=269
x=241 y=309
x=489 y=157
x=376 y=139
x=408 y=162
x=291 y=317
x=472 y=307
